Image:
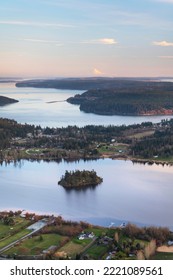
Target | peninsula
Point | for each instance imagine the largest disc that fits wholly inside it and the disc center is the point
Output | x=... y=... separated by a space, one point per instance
x=6 y=101
x=132 y=102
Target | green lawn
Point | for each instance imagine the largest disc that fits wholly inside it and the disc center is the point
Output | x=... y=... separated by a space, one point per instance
x=36 y=244
x=109 y=149
x=98 y=231
x=163 y=256
x=96 y=252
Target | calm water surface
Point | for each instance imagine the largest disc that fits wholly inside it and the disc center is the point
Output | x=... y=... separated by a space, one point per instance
x=136 y=193
x=34 y=108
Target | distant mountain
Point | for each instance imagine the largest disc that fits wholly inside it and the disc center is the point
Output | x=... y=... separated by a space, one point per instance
x=6 y=101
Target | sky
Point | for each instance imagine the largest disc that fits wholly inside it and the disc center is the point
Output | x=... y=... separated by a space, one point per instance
x=84 y=38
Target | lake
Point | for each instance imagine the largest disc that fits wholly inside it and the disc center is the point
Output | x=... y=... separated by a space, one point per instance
x=137 y=193
x=34 y=108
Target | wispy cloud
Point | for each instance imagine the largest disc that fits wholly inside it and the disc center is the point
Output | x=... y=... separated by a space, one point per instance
x=42 y=41
x=36 y=24
x=163 y=44
x=102 y=41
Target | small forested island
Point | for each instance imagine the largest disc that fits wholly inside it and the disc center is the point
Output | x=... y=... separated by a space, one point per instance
x=79 y=179
x=6 y=100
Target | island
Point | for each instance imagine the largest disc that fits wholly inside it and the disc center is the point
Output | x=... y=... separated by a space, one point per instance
x=79 y=179
x=6 y=101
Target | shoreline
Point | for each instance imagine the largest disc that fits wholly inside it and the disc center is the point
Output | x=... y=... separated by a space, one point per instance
x=89 y=158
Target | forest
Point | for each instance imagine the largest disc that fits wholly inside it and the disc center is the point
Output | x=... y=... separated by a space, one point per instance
x=159 y=145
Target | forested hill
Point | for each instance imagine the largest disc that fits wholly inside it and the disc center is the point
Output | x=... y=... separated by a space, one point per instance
x=6 y=100
x=149 y=100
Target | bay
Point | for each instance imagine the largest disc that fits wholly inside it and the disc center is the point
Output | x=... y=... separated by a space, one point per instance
x=136 y=193
x=47 y=107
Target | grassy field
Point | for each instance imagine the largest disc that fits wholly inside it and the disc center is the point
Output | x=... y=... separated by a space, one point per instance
x=36 y=244
x=13 y=238
x=6 y=230
x=96 y=252
x=163 y=256
x=113 y=148
x=142 y=134
x=75 y=246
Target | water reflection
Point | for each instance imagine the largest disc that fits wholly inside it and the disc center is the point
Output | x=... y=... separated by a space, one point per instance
x=129 y=192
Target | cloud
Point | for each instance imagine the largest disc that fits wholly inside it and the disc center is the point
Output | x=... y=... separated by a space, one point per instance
x=103 y=41
x=36 y=24
x=107 y=41
x=163 y=44
x=41 y=41
x=97 y=72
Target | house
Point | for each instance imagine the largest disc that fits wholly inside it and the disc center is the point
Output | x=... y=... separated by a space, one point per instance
x=86 y=235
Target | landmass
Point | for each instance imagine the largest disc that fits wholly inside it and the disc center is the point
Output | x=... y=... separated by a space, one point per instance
x=80 y=179
x=113 y=96
x=131 y=102
x=6 y=101
x=29 y=236
x=83 y=83
x=145 y=142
